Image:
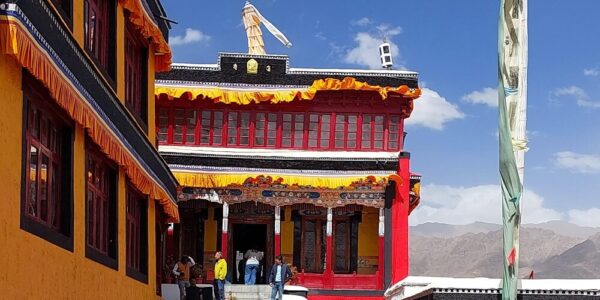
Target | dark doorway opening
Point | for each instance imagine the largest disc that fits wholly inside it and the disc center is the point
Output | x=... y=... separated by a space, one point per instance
x=245 y=237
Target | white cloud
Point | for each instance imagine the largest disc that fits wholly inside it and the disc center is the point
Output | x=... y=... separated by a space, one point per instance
x=590 y=217
x=364 y=21
x=320 y=36
x=366 y=51
x=579 y=94
x=487 y=96
x=577 y=163
x=433 y=111
x=191 y=36
x=482 y=203
x=591 y=72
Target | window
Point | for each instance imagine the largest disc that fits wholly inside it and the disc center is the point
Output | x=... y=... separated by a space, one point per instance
x=137 y=235
x=212 y=128
x=266 y=130
x=46 y=183
x=163 y=125
x=314 y=245
x=394 y=133
x=345 y=131
x=101 y=207
x=184 y=131
x=98 y=29
x=238 y=129
x=64 y=8
x=292 y=130
x=341 y=246
x=372 y=132
x=136 y=76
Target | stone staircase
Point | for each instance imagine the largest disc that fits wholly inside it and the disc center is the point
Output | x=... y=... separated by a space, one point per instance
x=247 y=292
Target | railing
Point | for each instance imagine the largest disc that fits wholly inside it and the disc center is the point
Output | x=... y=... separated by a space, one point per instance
x=340 y=281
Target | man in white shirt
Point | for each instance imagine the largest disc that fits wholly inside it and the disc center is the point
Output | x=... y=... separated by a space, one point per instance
x=280 y=274
x=253 y=258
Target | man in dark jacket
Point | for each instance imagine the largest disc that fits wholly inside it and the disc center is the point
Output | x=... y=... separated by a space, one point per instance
x=280 y=273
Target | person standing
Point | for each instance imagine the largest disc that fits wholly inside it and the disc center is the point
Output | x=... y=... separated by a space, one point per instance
x=280 y=273
x=253 y=258
x=220 y=274
x=182 y=270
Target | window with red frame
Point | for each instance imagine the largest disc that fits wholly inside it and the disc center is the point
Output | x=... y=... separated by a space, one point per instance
x=99 y=17
x=46 y=200
x=163 y=125
x=184 y=129
x=292 y=132
x=137 y=241
x=238 y=128
x=101 y=207
x=319 y=128
x=211 y=133
x=265 y=133
x=345 y=131
x=136 y=76
x=394 y=132
x=372 y=132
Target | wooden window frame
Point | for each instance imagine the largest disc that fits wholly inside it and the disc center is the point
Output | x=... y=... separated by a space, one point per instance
x=101 y=238
x=104 y=56
x=345 y=131
x=136 y=234
x=347 y=247
x=60 y=194
x=388 y=134
x=65 y=11
x=136 y=75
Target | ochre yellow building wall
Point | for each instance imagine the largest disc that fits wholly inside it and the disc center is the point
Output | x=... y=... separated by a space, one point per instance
x=33 y=268
x=368 y=241
x=287 y=235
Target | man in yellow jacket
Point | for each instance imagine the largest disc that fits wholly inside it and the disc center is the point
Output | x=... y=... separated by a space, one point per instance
x=220 y=274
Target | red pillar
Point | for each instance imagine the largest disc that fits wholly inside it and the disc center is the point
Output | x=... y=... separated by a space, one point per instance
x=277 y=244
x=400 y=221
x=224 y=236
x=328 y=276
x=381 y=262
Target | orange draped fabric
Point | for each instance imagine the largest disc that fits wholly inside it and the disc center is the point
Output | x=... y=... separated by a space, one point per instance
x=16 y=41
x=241 y=97
x=145 y=24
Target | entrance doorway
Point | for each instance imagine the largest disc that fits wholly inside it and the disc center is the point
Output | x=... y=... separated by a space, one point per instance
x=249 y=236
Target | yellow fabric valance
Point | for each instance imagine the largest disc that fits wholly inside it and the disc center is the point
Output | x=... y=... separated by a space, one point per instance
x=147 y=28
x=244 y=97
x=222 y=180
x=16 y=41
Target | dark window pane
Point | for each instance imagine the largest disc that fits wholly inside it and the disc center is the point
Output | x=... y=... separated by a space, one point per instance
x=33 y=179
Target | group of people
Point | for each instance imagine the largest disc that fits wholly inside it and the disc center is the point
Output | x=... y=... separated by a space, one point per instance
x=280 y=273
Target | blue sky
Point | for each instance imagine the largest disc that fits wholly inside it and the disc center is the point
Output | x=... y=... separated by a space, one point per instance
x=452 y=133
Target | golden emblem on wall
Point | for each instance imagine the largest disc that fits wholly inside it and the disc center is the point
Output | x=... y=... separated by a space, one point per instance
x=252 y=66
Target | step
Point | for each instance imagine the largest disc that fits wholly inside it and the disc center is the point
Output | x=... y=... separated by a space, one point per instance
x=247 y=292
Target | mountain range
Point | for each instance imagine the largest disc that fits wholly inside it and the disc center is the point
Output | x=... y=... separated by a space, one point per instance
x=554 y=249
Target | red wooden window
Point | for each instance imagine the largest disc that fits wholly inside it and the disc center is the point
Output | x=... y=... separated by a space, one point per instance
x=137 y=244
x=135 y=74
x=101 y=203
x=163 y=125
x=319 y=131
x=292 y=132
x=96 y=30
x=341 y=246
x=238 y=128
x=345 y=131
x=394 y=132
x=212 y=128
x=45 y=137
x=184 y=129
x=372 y=132
x=265 y=130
